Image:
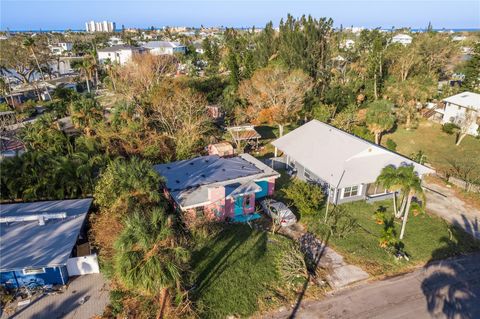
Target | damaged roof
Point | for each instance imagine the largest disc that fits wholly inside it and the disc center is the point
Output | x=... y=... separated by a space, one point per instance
x=188 y=181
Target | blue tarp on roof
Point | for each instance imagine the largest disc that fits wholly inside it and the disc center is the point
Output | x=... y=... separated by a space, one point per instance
x=25 y=244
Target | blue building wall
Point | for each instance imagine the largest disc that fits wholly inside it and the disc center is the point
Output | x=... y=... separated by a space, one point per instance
x=51 y=276
x=264 y=191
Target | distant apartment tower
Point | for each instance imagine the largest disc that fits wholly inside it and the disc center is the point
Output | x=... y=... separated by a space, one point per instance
x=100 y=26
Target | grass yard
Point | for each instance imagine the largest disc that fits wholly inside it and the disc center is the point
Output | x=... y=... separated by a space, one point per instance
x=427 y=237
x=438 y=146
x=235 y=272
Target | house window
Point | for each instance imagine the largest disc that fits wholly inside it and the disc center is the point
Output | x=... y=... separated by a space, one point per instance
x=308 y=174
x=33 y=271
x=350 y=191
x=248 y=201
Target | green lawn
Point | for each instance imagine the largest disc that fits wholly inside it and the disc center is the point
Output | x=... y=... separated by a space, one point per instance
x=426 y=238
x=438 y=146
x=235 y=272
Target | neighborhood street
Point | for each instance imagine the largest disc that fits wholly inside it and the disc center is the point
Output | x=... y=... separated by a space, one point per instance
x=443 y=289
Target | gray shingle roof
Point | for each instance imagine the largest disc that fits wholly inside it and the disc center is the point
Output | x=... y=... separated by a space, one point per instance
x=116 y=48
x=328 y=152
x=26 y=244
x=162 y=44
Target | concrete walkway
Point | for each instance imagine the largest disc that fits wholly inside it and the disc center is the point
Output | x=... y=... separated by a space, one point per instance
x=340 y=274
x=86 y=297
x=444 y=289
x=443 y=202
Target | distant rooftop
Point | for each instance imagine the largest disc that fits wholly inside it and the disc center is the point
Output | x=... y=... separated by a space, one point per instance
x=162 y=44
x=466 y=99
x=116 y=48
x=26 y=243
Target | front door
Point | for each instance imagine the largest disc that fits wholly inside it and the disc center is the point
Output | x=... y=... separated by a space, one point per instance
x=238 y=207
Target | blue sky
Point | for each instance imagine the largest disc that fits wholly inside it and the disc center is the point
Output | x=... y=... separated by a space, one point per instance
x=63 y=14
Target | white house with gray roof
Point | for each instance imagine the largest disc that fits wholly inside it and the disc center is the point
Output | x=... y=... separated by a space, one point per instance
x=120 y=54
x=165 y=47
x=343 y=164
x=457 y=107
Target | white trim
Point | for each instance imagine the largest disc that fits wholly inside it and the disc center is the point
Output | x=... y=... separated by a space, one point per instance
x=33 y=271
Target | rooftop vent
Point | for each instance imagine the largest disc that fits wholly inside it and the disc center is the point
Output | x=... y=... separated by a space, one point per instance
x=41 y=218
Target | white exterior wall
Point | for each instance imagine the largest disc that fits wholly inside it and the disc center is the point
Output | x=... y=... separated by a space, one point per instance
x=121 y=56
x=167 y=50
x=66 y=46
x=402 y=38
x=454 y=112
x=161 y=51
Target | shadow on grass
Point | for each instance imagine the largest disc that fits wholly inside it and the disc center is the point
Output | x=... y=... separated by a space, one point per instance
x=223 y=258
x=267 y=132
x=452 y=289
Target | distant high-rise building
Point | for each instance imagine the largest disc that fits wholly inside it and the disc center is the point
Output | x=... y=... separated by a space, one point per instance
x=100 y=26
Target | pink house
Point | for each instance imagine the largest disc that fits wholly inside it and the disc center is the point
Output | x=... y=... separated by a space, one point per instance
x=219 y=188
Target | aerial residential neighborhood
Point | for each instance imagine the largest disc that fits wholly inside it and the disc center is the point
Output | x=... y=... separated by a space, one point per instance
x=240 y=159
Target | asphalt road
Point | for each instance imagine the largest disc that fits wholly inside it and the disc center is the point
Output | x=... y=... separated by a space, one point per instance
x=443 y=289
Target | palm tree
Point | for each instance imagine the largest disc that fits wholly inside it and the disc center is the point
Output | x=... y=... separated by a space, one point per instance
x=380 y=118
x=403 y=178
x=147 y=258
x=412 y=186
x=388 y=178
x=86 y=66
x=30 y=44
x=86 y=112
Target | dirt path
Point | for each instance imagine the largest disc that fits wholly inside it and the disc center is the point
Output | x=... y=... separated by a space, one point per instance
x=443 y=202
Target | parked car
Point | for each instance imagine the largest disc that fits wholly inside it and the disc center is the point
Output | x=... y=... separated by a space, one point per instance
x=279 y=212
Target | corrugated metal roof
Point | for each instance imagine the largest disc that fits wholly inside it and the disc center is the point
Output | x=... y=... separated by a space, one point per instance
x=27 y=244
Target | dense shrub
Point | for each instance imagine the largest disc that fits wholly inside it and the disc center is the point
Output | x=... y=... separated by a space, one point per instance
x=306 y=197
x=450 y=128
x=391 y=145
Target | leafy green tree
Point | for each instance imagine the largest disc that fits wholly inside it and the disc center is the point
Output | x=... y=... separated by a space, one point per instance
x=372 y=45
x=306 y=197
x=409 y=95
x=303 y=43
x=234 y=69
x=212 y=55
x=380 y=118
x=472 y=70
x=147 y=257
x=265 y=46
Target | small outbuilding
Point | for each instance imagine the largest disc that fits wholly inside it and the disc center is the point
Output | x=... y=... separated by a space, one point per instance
x=221 y=149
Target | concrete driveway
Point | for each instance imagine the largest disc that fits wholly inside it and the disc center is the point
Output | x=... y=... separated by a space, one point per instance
x=86 y=297
x=443 y=202
x=443 y=289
